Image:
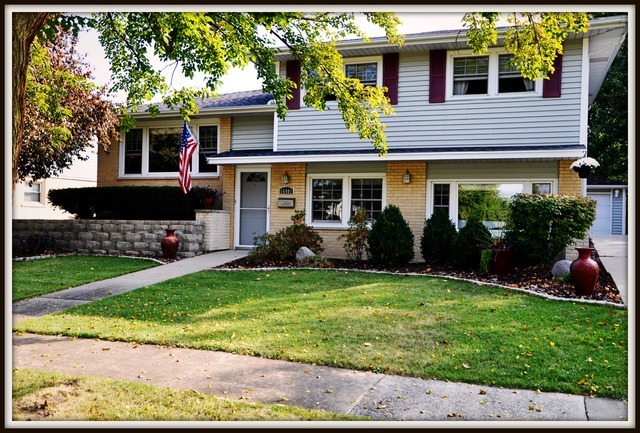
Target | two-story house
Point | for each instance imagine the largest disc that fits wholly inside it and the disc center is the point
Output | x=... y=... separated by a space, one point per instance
x=465 y=123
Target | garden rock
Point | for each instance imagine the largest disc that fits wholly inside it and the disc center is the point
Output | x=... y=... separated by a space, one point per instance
x=304 y=253
x=561 y=268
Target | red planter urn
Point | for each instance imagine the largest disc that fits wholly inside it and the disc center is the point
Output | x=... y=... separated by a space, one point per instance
x=169 y=244
x=584 y=272
x=501 y=262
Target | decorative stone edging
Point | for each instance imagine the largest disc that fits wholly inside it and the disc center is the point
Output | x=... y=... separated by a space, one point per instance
x=481 y=283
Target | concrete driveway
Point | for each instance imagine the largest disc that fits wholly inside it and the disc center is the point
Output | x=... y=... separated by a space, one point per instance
x=613 y=251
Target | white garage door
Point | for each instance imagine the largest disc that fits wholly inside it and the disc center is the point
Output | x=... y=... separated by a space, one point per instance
x=602 y=224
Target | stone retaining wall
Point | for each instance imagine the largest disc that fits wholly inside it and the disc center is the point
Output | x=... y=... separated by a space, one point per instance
x=114 y=237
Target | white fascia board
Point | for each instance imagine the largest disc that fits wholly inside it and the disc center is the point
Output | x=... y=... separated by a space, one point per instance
x=209 y=111
x=423 y=156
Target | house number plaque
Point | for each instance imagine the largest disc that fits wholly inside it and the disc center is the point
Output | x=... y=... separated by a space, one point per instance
x=286 y=202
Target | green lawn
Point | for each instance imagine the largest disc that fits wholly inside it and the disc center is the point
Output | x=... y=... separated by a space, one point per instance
x=37 y=277
x=409 y=325
x=46 y=396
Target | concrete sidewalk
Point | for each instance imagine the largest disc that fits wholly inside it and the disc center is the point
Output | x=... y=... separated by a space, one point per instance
x=236 y=377
x=378 y=396
x=613 y=253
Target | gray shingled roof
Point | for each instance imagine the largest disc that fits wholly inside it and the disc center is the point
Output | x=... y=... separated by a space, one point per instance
x=250 y=98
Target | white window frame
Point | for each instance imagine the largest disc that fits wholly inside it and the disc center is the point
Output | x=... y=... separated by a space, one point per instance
x=194 y=126
x=453 y=191
x=493 y=77
x=351 y=61
x=28 y=191
x=346 y=197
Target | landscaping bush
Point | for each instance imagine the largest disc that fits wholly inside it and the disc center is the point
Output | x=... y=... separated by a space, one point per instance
x=390 y=239
x=284 y=244
x=355 y=240
x=469 y=243
x=35 y=245
x=125 y=202
x=542 y=225
x=437 y=236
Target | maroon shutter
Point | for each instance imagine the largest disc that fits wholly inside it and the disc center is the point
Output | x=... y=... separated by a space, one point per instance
x=390 y=76
x=552 y=86
x=293 y=74
x=437 y=75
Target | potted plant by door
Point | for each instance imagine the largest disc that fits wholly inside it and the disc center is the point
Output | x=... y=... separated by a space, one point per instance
x=583 y=166
x=205 y=197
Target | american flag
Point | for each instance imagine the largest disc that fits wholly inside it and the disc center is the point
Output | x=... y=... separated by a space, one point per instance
x=188 y=146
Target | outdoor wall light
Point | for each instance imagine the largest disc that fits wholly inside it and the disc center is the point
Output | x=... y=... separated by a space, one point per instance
x=407 y=177
x=616 y=193
x=285 y=178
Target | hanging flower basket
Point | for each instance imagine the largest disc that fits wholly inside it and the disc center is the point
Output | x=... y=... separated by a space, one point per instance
x=583 y=166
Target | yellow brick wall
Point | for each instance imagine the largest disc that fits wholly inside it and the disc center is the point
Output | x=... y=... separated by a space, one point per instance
x=228 y=174
x=568 y=180
x=281 y=217
x=410 y=198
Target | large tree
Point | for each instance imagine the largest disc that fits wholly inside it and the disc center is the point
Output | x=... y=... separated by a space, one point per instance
x=64 y=112
x=212 y=42
x=608 y=120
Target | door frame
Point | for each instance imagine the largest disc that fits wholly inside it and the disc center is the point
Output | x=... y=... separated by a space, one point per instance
x=236 y=220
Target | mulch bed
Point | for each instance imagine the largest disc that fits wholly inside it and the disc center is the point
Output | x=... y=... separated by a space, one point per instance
x=532 y=278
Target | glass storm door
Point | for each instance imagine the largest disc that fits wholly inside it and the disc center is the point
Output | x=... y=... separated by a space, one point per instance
x=253 y=206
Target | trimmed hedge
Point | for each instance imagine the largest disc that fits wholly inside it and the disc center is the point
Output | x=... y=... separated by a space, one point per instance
x=438 y=235
x=542 y=226
x=390 y=239
x=125 y=202
x=468 y=244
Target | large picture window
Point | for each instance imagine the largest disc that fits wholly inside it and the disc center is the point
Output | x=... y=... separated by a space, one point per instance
x=486 y=200
x=492 y=74
x=333 y=200
x=153 y=151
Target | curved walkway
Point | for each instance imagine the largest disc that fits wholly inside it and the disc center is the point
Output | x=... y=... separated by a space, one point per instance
x=378 y=396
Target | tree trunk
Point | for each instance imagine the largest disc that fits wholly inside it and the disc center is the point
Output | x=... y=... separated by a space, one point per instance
x=25 y=27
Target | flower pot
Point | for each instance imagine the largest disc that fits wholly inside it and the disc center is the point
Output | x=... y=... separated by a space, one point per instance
x=583 y=171
x=207 y=203
x=501 y=262
x=169 y=244
x=584 y=272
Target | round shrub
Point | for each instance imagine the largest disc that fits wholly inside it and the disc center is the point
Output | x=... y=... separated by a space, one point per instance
x=468 y=244
x=390 y=239
x=437 y=236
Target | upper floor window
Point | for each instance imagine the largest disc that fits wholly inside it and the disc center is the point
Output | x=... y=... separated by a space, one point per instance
x=471 y=75
x=367 y=73
x=154 y=151
x=490 y=75
x=366 y=69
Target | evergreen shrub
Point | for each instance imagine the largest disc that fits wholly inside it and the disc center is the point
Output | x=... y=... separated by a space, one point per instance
x=437 y=237
x=391 y=239
x=469 y=243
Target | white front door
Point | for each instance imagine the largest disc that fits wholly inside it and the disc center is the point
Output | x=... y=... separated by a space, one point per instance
x=253 y=206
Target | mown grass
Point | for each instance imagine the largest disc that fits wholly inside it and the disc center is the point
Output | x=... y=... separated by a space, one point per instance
x=38 y=277
x=41 y=395
x=418 y=326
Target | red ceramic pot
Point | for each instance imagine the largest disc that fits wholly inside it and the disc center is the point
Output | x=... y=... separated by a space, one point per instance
x=501 y=262
x=169 y=244
x=584 y=272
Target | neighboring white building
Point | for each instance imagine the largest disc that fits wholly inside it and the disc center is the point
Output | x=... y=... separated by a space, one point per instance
x=30 y=202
